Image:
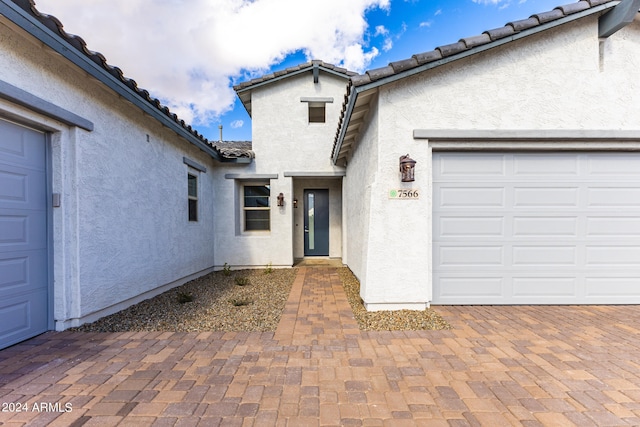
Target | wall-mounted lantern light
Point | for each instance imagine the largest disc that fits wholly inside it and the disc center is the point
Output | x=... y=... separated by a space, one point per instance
x=295 y=203
x=407 y=168
x=280 y=199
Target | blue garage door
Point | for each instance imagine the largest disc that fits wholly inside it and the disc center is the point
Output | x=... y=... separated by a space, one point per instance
x=23 y=234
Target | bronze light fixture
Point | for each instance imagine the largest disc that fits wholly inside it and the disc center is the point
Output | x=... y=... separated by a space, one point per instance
x=407 y=168
x=280 y=199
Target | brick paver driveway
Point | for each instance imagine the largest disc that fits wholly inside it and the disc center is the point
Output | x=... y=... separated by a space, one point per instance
x=498 y=366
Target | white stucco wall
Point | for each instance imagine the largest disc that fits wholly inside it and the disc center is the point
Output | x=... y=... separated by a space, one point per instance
x=361 y=175
x=284 y=142
x=122 y=233
x=560 y=79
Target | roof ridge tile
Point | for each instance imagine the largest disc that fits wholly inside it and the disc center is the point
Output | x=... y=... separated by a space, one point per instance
x=524 y=24
x=571 y=8
x=452 y=49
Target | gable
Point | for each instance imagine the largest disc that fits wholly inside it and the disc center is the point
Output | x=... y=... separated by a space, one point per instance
x=362 y=87
x=313 y=68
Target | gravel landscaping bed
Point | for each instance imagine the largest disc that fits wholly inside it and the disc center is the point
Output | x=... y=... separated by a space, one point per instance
x=245 y=300
x=401 y=320
x=218 y=304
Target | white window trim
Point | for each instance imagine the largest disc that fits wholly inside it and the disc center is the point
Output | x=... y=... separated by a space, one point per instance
x=243 y=209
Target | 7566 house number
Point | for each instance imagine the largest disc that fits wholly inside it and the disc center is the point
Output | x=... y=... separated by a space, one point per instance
x=404 y=194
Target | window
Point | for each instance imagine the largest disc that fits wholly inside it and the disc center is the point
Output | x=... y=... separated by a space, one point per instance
x=193 y=196
x=256 y=207
x=316 y=112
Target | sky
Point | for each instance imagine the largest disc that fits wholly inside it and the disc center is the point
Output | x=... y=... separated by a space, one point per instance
x=190 y=53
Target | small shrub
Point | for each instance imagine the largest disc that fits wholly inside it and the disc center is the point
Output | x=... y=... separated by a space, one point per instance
x=184 y=297
x=268 y=269
x=226 y=269
x=239 y=302
x=241 y=281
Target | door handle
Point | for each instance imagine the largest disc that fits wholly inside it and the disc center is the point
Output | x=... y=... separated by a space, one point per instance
x=306 y=230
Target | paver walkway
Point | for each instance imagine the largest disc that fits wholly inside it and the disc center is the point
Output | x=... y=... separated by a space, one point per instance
x=526 y=366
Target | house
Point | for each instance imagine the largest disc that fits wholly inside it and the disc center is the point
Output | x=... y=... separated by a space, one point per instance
x=525 y=186
x=106 y=197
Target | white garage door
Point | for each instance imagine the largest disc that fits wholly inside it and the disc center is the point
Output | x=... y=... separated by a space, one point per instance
x=23 y=234
x=536 y=228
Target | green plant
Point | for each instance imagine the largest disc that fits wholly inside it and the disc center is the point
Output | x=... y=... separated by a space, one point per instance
x=242 y=281
x=268 y=269
x=184 y=297
x=239 y=302
x=226 y=269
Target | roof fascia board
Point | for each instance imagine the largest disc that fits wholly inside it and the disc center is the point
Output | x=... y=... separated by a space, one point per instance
x=291 y=74
x=395 y=77
x=238 y=160
x=491 y=45
x=251 y=176
x=347 y=119
x=334 y=174
x=618 y=17
x=519 y=135
x=38 y=30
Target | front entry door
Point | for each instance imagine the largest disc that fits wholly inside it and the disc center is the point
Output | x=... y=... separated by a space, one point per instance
x=316 y=222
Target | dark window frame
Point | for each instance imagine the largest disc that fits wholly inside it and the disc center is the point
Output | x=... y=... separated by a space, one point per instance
x=192 y=196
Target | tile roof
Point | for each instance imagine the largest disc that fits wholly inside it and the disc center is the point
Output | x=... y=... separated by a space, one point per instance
x=468 y=43
x=359 y=90
x=235 y=149
x=244 y=89
x=294 y=70
x=54 y=25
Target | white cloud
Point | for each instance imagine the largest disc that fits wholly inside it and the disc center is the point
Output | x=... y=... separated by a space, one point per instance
x=426 y=24
x=438 y=12
x=486 y=2
x=381 y=31
x=236 y=124
x=189 y=56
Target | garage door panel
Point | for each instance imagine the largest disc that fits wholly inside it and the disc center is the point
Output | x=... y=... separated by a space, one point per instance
x=544 y=256
x=545 y=226
x=626 y=287
x=561 y=228
x=22 y=316
x=474 y=226
x=473 y=287
x=22 y=230
x=464 y=164
x=544 y=287
x=470 y=197
x=618 y=197
x=529 y=197
x=20 y=146
x=21 y=188
x=540 y=165
x=614 y=256
x=612 y=164
x=22 y=272
x=613 y=226
x=470 y=256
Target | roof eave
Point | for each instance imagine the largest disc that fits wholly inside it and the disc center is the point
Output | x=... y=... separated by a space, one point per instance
x=35 y=28
x=247 y=89
x=469 y=52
